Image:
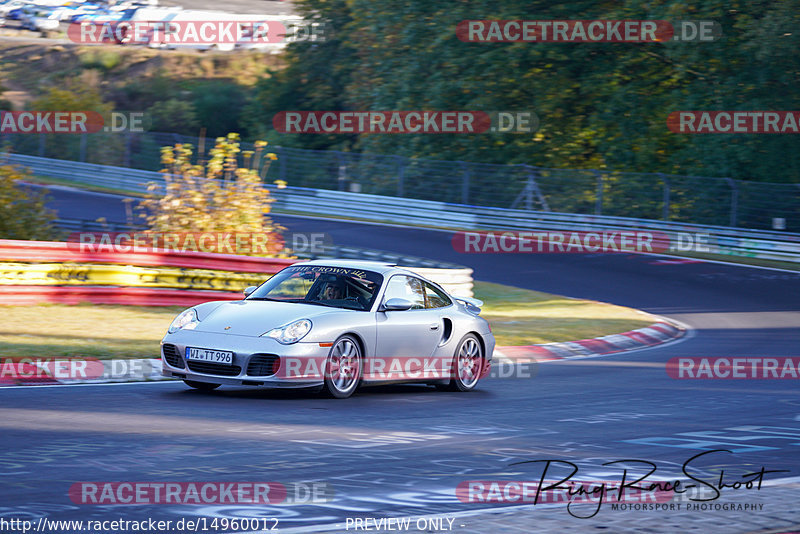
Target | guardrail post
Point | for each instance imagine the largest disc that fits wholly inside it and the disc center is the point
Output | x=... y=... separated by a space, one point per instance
x=734 y=202
x=598 y=203
x=665 y=212
x=281 y=162
x=401 y=174
x=128 y=142
x=342 y=171
x=465 y=184
x=529 y=194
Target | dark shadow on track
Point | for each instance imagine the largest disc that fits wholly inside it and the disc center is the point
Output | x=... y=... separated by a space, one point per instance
x=236 y=392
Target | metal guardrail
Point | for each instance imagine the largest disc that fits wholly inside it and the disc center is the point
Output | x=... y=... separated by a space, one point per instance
x=668 y=197
x=765 y=244
x=105 y=176
x=762 y=244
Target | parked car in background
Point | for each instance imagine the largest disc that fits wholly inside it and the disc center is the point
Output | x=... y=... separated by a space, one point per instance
x=86 y=11
x=7 y=7
x=40 y=19
x=15 y=14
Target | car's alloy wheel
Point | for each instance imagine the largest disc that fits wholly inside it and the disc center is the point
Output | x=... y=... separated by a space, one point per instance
x=343 y=368
x=203 y=386
x=467 y=364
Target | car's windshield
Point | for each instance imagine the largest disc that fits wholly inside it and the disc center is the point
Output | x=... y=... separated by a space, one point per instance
x=338 y=287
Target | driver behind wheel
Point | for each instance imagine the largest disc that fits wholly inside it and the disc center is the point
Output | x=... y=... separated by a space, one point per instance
x=335 y=290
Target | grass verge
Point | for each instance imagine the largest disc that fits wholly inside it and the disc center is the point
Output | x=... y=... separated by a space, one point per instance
x=524 y=317
x=47 y=180
x=518 y=317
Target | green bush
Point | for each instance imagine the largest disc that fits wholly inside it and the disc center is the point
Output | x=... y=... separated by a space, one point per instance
x=101 y=59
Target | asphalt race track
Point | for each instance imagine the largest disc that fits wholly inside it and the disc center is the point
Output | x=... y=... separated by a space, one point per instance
x=401 y=451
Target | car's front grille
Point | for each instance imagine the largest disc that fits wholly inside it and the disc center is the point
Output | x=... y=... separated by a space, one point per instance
x=172 y=356
x=211 y=368
x=263 y=365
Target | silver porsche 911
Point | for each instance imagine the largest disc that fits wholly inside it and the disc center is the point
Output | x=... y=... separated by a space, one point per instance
x=334 y=324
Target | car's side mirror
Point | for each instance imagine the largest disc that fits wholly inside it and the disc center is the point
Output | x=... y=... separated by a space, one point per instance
x=397 y=304
x=248 y=290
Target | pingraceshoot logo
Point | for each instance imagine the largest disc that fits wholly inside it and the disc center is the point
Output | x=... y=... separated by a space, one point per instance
x=634 y=489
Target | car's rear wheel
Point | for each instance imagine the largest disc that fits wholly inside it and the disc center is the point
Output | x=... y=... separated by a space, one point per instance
x=467 y=365
x=202 y=386
x=343 y=368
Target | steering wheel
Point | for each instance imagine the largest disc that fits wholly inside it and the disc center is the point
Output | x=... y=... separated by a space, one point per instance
x=360 y=300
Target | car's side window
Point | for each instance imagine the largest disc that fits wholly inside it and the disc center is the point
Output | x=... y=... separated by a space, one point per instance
x=408 y=288
x=436 y=298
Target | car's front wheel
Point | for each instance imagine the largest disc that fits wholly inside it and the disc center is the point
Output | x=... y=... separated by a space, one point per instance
x=202 y=386
x=343 y=368
x=467 y=365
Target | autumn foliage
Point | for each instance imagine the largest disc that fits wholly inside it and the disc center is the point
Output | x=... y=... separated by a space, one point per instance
x=23 y=214
x=226 y=193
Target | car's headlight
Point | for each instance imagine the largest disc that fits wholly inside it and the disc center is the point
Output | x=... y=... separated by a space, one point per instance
x=290 y=333
x=186 y=320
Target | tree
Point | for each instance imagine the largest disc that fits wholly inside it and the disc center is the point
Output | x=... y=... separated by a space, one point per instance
x=101 y=147
x=600 y=105
x=317 y=76
x=174 y=115
x=218 y=106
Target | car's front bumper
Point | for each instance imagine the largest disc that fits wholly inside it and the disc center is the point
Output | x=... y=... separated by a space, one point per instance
x=299 y=364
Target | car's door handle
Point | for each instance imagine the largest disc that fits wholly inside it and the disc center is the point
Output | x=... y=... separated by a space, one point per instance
x=435 y=326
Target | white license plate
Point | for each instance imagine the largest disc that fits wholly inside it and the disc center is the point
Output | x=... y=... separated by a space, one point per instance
x=208 y=355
